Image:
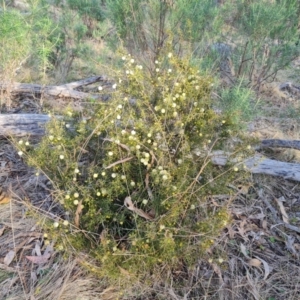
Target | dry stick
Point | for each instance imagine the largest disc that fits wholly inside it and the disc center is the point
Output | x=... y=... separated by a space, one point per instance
x=274 y=214
x=229 y=77
x=149 y=191
x=11 y=270
x=161 y=32
x=266 y=53
x=264 y=69
x=119 y=162
x=242 y=59
x=119 y=144
x=128 y=203
x=251 y=71
x=260 y=76
x=77 y=213
x=281 y=68
x=274 y=74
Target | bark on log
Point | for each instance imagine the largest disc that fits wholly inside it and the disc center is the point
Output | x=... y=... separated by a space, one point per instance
x=290 y=87
x=259 y=164
x=274 y=143
x=60 y=91
x=19 y=125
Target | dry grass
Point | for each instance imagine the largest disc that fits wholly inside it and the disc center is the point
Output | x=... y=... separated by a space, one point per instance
x=57 y=278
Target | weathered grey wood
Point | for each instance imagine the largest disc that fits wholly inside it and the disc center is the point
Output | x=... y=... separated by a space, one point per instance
x=290 y=87
x=84 y=82
x=60 y=91
x=39 y=90
x=262 y=165
x=274 y=143
x=19 y=125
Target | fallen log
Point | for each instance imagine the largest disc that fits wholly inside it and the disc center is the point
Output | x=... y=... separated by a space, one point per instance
x=19 y=125
x=274 y=143
x=259 y=164
x=290 y=87
x=60 y=91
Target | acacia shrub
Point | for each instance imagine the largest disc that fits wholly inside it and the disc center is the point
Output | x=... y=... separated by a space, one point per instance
x=135 y=173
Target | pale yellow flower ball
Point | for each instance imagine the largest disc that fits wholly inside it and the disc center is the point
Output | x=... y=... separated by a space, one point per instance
x=55 y=224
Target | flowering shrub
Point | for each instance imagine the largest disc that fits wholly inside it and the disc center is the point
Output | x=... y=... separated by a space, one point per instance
x=135 y=173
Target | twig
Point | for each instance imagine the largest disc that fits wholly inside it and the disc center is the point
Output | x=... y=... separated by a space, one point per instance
x=119 y=162
x=149 y=191
x=119 y=144
x=274 y=214
x=128 y=203
x=242 y=59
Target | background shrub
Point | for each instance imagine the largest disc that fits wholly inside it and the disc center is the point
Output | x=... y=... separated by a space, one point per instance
x=263 y=35
x=15 y=42
x=144 y=27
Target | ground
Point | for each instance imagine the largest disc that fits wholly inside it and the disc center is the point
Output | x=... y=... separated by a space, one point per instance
x=259 y=252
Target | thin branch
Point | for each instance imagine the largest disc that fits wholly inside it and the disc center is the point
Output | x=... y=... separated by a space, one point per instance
x=119 y=162
x=243 y=59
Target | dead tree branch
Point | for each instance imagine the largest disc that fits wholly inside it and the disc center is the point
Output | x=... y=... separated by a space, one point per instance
x=60 y=91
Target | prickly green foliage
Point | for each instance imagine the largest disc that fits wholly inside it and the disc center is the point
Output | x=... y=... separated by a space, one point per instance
x=25 y=42
x=14 y=40
x=198 y=21
x=272 y=19
x=120 y=12
x=269 y=31
x=239 y=103
x=88 y=8
x=135 y=172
